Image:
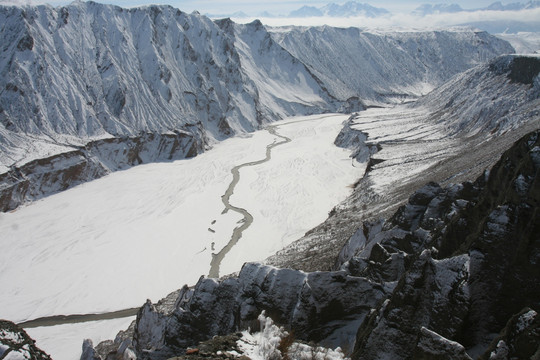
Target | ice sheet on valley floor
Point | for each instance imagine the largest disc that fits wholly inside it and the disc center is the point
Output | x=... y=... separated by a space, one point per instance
x=143 y=232
x=114 y=242
x=64 y=342
x=307 y=176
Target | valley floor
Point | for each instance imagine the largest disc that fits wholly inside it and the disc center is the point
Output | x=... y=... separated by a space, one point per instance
x=141 y=233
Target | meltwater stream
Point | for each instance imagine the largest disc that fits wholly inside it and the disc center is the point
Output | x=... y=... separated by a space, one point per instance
x=216 y=258
x=248 y=218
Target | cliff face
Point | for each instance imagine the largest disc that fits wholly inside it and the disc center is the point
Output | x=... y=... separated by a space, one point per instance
x=439 y=279
x=468 y=257
x=97 y=158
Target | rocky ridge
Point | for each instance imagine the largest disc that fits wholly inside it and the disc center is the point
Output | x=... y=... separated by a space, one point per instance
x=16 y=344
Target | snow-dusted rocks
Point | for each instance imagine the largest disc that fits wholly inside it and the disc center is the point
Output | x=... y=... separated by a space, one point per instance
x=15 y=344
x=313 y=304
x=355 y=140
x=520 y=339
x=473 y=267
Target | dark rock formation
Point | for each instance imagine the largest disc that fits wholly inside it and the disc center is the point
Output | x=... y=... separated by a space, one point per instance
x=16 y=344
x=355 y=140
x=473 y=251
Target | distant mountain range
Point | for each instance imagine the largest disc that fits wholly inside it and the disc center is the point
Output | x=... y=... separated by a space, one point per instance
x=354 y=8
x=427 y=9
x=348 y=9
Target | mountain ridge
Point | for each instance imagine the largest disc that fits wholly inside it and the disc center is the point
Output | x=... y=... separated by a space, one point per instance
x=89 y=72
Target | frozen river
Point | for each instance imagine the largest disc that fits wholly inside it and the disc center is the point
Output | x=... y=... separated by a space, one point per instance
x=141 y=233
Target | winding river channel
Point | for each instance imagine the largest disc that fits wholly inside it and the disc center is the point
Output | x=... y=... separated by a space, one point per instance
x=248 y=218
x=216 y=258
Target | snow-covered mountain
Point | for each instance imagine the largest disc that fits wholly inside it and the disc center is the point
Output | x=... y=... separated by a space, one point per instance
x=306 y=11
x=96 y=82
x=428 y=9
x=390 y=66
x=89 y=71
x=532 y=4
x=348 y=9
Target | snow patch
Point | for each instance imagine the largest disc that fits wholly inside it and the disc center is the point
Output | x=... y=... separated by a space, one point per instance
x=269 y=343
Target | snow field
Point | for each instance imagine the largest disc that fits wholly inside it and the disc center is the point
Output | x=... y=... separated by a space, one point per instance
x=116 y=241
x=411 y=144
x=63 y=342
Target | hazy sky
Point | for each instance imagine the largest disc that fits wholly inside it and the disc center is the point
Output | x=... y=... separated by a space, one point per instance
x=401 y=16
x=282 y=7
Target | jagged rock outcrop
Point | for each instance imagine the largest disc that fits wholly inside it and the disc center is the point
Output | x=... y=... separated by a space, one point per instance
x=472 y=252
x=448 y=270
x=16 y=344
x=520 y=339
x=313 y=305
x=41 y=177
x=355 y=140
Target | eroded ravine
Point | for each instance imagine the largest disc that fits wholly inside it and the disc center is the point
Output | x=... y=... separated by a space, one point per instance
x=247 y=217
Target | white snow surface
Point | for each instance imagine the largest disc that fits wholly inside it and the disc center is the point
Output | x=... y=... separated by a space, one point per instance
x=523 y=42
x=141 y=233
x=264 y=344
x=64 y=342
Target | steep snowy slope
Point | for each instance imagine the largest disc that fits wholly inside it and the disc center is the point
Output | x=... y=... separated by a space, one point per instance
x=91 y=71
x=495 y=97
x=389 y=66
x=451 y=134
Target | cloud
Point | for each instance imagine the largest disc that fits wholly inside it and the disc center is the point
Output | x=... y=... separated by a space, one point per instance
x=407 y=21
x=16 y=2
